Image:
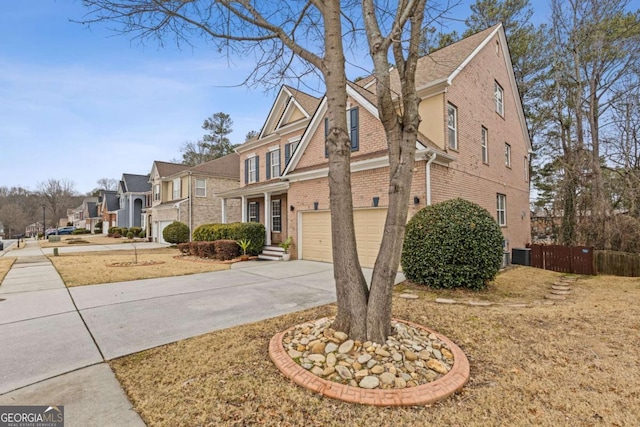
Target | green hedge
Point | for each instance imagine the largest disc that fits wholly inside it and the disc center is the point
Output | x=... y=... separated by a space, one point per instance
x=252 y=231
x=176 y=232
x=451 y=244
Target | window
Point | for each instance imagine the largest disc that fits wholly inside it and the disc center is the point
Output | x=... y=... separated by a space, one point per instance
x=253 y=212
x=499 y=95
x=276 y=216
x=452 y=124
x=353 y=119
x=485 y=143
x=201 y=188
x=526 y=169
x=507 y=155
x=156 y=192
x=289 y=149
x=502 y=210
x=251 y=170
x=176 y=189
x=273 y=164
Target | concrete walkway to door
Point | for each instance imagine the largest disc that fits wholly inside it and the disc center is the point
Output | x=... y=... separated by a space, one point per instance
x=57 y=339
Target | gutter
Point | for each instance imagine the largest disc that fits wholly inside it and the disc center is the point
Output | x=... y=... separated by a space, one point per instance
x=428 y=176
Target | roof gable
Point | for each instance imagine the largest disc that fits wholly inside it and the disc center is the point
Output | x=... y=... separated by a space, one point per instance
x=290 y=106
x=133 y=183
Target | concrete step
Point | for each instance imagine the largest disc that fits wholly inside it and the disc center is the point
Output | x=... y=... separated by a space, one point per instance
x=271 y=253
x=270 y=257
x=273 y=248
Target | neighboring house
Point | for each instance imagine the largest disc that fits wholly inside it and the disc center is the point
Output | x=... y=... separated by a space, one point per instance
x=107 y=209
x=187 y=194
x=86 y=215
x=473 y=143
x=33 y=229
x=132 y=199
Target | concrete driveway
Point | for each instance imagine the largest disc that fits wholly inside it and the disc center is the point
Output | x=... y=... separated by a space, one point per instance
x=57 y=339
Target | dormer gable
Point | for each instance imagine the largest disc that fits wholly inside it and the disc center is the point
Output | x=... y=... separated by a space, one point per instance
x=290 y=106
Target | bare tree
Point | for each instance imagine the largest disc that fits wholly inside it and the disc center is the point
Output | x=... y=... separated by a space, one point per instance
x=294 y=39
x=58 y=195
x=109 y=184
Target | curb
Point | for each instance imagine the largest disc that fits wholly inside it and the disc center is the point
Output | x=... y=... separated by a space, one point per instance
x=424 y=394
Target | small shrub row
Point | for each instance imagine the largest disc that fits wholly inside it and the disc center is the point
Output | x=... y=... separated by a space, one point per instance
x=81 y=231
x=252 y=231
x=219 y=249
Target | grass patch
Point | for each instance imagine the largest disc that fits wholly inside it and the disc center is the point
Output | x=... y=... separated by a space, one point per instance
x=85 y=239
x=572 y=363
x=5 y=266
x=90 y=268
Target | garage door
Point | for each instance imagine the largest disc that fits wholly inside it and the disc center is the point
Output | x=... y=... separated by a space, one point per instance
x=316 y=235
x=159 y=229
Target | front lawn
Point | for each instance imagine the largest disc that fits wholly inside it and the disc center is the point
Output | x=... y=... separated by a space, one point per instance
x=5 y=266
x=571 y=363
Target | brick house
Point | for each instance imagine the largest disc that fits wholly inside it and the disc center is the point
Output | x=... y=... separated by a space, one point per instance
x=86 y=215
x=188 y=194
x=473 y=143
x=107 y=209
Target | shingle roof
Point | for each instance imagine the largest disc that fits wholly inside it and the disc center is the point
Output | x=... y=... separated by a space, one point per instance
x=136 y=183
x=225 y=167
x=306 y=101
x=92 y=209
x=111 y=201
x=168 y=169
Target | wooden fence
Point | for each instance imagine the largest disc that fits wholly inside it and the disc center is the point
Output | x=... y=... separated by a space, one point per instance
x=618 y=263
x=564 y=259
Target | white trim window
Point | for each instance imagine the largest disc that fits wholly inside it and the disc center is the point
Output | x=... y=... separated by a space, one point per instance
x=253 y=169
x=501 y=205
x=498 y=94
x=274 y=163
x=177 y=193
x=485 y=145
x=156 y=192
x=252 y=212
x=201 y=187
x=507 y=154
x=276 y=216
x=452 y=125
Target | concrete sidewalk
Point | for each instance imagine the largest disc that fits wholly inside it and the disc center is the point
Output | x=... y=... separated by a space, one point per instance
x=59 y=338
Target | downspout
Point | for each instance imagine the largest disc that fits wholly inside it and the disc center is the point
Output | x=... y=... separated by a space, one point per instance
x=190 y=206
x=428 y=176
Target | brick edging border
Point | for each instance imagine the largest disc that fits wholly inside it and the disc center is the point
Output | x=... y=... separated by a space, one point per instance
x=424 y=394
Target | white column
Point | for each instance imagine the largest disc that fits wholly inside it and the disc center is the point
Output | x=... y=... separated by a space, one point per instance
x=267 y=218
x=244 y=208
x=224 y=210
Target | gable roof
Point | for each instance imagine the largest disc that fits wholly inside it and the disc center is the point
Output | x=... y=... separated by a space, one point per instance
x=135 y=183
x=288 y=99
x=224 y=167
x=110 y=201
x=167 y=169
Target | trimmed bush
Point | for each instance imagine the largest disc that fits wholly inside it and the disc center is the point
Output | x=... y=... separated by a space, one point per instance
x=184 y=248
x=252 y=231
x=124 y=231
x=207 y=249
x=135 y=230
x=113 y=230
x=452 y=244
x=78 y=231
x=116 y=235
x=142 y=234
x=226 y=249
x=130 y=235
x=176 y=232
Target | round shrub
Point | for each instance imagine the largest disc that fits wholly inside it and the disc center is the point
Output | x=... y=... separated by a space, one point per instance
x=452 y=244
x=130 y=235
x=176 y=232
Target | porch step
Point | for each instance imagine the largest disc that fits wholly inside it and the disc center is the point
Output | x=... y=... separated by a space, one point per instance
x=271 y=253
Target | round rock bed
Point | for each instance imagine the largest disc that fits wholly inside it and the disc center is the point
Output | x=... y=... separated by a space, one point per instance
x=416 y=366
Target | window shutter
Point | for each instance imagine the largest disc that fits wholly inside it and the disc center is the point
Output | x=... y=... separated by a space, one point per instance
x=257 y=211
x=287 y=153
x=268 y=173
x=246 y=171
x=354 y=129
x=326 y=136
x=257 y=168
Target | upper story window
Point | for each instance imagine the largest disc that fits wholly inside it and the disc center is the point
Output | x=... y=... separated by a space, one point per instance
x=499 y=95
x=507 y=155
x=273 y=163
x=452 y=125
x=353 y=126
x=501 y=202
x=176 y=189
x=156 y=192
x=201 y=188
x=485 y=145
x=289 y=149
x=251 y=171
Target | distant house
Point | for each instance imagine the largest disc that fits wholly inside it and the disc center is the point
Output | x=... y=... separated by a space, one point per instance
x=107 y=209
x=132 y=197
x=33 y=229
x=187 y=194
x=86 y=215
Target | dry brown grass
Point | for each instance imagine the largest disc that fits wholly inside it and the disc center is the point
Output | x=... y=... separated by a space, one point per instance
x=91 y=239
x=5 y=266
x=90 y=268
x=574 y=363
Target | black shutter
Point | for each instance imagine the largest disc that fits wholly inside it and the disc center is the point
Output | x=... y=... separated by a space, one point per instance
x=246 y=171
x=326 y=136
x=257 y=211
x=257 y=168
x=354 y=129
x=287 y=154
x=268 y=173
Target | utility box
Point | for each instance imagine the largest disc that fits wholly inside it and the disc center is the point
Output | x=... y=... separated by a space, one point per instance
x=521 y=256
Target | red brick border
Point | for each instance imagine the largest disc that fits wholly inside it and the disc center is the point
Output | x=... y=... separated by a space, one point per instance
x=424 y=394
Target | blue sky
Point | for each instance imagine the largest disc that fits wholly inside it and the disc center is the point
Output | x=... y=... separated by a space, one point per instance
x=83 y=104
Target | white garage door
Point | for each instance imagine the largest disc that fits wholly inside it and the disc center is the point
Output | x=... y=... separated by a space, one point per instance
x=316 y=235
x=160 y=226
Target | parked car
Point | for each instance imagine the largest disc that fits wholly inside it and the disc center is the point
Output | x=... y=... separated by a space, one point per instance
x=60 y=231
